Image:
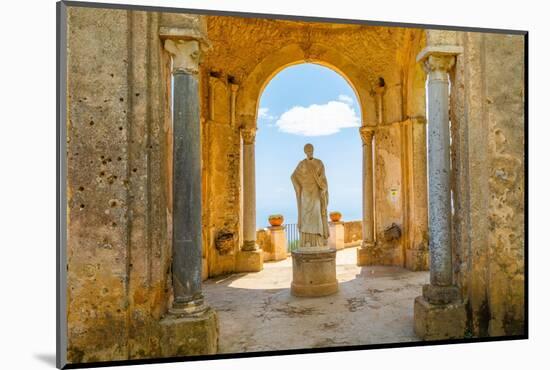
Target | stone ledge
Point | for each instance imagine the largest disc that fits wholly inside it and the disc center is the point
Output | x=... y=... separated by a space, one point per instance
x=436 y=322
x=188 y=336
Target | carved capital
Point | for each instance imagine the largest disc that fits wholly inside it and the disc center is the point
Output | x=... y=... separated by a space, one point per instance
x=249 y=135
x=439 y=59
x=185 y=55
x=439 y=63
x=367 y=134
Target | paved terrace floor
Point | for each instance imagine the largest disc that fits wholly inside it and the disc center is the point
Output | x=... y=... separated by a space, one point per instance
x=257 y=313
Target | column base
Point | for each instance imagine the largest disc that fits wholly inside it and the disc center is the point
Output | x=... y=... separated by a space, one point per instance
x=436 y=321
x=249 y=246
x=189 y=335
x=364 y=254
x=191 y=308
x=314 y=273
x=249 y=261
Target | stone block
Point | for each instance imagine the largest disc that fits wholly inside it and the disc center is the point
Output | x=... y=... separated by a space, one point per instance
x=336 y=237
x=436 y=322
x=249 y=261
x=188 y=336
x=314 y=273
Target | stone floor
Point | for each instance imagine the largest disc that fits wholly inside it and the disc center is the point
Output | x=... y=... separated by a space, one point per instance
x=257 y=312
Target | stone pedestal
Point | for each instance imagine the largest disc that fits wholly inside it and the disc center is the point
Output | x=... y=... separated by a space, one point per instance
x=249 y=261
x=336 y=237
x=439 y=321
x=183 y=335
x=278 y=243
x=314 y=272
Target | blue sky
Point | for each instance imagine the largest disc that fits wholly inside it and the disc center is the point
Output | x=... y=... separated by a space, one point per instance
x=307 y=103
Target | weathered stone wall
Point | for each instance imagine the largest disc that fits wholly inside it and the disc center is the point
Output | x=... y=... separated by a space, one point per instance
x=487 y=115
x=221 y=175
x=388 y=194
x=353 y=233
x=118 y=246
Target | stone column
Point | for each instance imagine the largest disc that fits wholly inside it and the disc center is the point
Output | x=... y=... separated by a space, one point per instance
x=249 y=189
x=186 y=166
x=439 y=313
x=367 y=134
x=250 y=258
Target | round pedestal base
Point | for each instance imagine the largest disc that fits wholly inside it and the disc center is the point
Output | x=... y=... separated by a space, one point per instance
x=314 y=273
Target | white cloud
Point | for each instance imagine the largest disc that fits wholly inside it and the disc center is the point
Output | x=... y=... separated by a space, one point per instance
x=345 y=98
x=263 y=113
x=318 y=119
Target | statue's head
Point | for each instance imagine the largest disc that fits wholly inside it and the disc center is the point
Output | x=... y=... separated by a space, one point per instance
x=308 y=149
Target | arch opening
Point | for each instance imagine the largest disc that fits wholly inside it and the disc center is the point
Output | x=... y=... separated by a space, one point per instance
x=308 y=103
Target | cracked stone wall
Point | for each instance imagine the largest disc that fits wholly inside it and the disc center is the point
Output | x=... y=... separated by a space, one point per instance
x=488 y=181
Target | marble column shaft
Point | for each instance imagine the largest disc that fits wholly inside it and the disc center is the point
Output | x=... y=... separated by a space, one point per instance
x=187 y=182
x=249 y=189
x=368 y=187
x=439 y=170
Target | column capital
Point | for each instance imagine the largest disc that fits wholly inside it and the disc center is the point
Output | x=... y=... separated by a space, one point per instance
x=367 y=134
x=439 y=58
x=185 y=55
x=248 y=134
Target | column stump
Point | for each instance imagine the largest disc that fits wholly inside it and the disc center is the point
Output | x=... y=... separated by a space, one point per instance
x=314 y=272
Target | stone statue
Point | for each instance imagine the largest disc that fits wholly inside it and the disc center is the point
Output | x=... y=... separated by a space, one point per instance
x=310 y=184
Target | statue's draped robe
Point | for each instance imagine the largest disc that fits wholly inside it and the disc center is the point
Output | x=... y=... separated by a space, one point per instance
x=310 y=184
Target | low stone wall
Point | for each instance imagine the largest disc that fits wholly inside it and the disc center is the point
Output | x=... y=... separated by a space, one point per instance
x=353 y=233
x=352 y=237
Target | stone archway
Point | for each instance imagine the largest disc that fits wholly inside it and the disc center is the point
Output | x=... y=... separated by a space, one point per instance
x=248 y=105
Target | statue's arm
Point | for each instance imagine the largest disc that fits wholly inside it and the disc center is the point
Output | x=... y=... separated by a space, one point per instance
x=323 y=179
x=298 y=190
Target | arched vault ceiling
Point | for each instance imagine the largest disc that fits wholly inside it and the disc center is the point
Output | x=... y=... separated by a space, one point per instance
x=239 y=44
